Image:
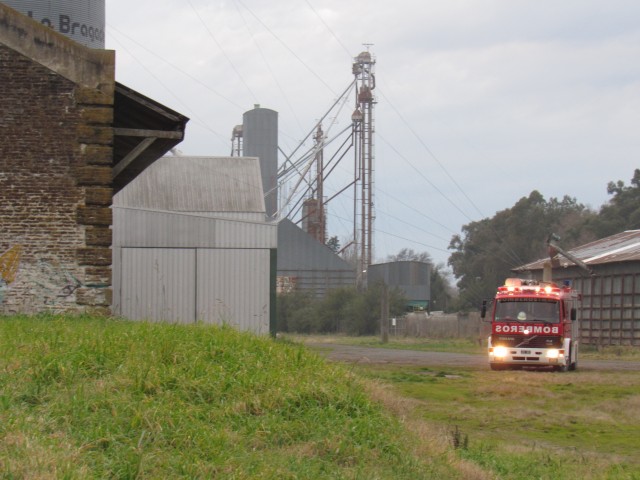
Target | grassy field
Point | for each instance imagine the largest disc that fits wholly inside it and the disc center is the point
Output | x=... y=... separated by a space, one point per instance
x=520 y=424
x=95 y=398
x=458 y=345
x=526 y=425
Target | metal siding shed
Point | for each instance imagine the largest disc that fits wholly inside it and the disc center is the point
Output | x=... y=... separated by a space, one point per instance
x=196 y=264
x=308 y=263
x=411 y=277
x=621 y=247
x=135 y=227
x=609 y=310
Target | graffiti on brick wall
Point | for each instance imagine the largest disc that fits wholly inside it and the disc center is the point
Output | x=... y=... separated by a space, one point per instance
x=45 y=282
x=53 y=281
x=9 y=262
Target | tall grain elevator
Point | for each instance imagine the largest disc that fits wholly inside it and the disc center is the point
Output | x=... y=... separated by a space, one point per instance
x=260 y=139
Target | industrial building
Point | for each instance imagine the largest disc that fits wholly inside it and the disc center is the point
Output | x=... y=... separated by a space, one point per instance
x=609 y=311
x=191 y=244
x=304 y=264
x=412 y=278
x=186 y=237
x=71 y=137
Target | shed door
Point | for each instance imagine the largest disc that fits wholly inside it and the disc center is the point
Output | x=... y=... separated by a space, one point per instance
x=232 y=288
x=158 y=284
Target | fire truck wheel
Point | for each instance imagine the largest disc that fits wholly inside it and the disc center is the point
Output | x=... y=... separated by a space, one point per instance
x=562 y=368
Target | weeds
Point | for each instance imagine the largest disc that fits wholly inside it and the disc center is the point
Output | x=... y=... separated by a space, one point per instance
x=582 y=425
x=458 y=440
x=93 y=398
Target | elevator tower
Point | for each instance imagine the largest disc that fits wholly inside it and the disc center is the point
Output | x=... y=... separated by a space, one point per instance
x=363 y=127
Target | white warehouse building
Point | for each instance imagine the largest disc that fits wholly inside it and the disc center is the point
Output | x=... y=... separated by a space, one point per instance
x=191 y=244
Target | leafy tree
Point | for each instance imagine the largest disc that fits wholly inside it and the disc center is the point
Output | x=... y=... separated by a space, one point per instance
x=341 y=310
x=442 y=292
x=407 y=254
x=622 y=212
x=332 y=314
x=362 y=314
x=334 y=244
x=287 y=306
x=487 y=250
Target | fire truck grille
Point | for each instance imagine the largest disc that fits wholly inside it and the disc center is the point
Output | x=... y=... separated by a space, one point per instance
x=522 y=341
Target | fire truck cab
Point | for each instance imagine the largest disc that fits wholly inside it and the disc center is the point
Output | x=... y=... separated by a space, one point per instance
x=533 y=324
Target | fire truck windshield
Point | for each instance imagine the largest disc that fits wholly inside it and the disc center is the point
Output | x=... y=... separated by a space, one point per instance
x=527 y=310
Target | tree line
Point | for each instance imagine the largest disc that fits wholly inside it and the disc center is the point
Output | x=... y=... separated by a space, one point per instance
x=483 y=255
x=486 y=251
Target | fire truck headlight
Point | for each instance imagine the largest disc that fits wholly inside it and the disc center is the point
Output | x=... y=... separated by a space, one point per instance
x=553 y=353
x=500 y=352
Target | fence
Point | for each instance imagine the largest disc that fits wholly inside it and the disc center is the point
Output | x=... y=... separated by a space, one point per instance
x=420 y=324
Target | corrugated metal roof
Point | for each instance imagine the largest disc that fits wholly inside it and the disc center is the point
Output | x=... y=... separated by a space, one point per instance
x=622 y=247
x=297 y=250
x=197 y=184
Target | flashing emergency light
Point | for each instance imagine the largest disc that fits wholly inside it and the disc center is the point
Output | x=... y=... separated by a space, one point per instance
x=518 y=285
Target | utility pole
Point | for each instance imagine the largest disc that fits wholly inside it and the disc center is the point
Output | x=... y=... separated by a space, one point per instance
x=384 y=314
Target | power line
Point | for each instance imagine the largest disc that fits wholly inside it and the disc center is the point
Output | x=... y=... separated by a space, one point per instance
x=233 y=66
x=329 y=29
x=264 y=59
x=302 y=62
x=198 y=120
x=435 y=158
x=508 y=251
x=160 y=57
x=421 y=174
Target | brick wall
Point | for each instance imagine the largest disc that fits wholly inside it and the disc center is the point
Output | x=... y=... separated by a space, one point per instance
x=55 y=191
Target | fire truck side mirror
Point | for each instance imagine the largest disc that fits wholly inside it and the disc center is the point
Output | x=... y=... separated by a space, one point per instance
x=574 y=314
x=483 y=311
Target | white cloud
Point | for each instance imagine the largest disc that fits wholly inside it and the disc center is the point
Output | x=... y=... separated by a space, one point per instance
x=509 y=96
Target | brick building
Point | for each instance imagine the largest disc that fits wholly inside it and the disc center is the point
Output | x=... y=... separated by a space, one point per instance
x=70 y=136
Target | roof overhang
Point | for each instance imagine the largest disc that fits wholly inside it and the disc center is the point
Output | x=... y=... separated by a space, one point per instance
x=144 y=130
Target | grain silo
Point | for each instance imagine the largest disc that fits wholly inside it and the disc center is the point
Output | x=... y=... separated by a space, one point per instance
x=80 y=20
x=260 y=139
x=412 y=278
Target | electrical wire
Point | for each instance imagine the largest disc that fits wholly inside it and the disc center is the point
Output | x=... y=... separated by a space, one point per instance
x=329 y=29
x=268 y=65
x=161 y=83
x=508 y=250
x=213 y=37
x=178 y=69
x=284 y=44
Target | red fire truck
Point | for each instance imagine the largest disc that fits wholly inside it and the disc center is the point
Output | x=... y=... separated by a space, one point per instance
x=533 y=324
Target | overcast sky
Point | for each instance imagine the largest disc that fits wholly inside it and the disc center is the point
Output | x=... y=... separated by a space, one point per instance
x=479 y=102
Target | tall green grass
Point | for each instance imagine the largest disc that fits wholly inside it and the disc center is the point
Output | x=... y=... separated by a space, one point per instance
x=521 y=425
x=100 y=398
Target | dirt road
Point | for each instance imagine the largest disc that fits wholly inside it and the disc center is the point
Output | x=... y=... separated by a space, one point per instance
x=372 y=355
